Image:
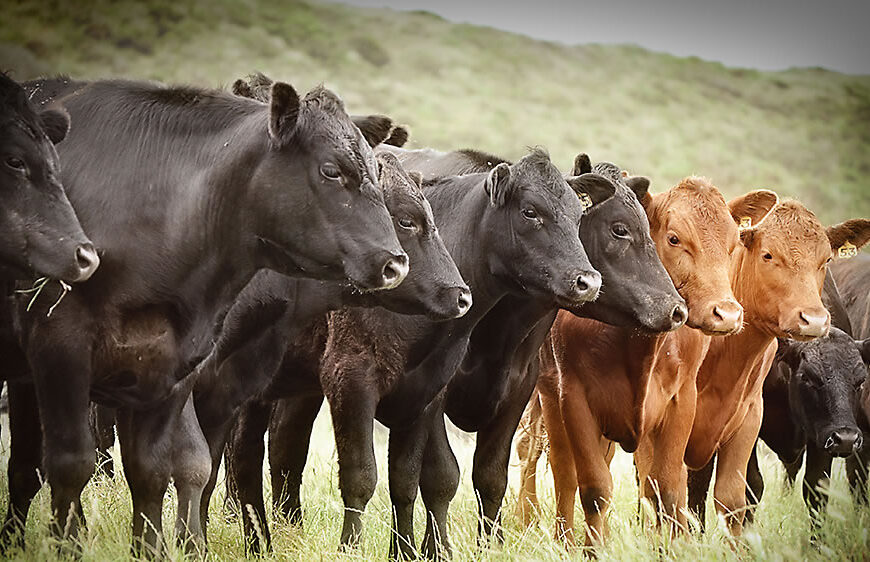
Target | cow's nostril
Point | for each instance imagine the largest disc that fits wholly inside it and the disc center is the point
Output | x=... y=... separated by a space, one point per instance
x=87 y=261
x=395 y=270
x=464 y=301
x=581 y=283
x=679 y=314
x=717 y=313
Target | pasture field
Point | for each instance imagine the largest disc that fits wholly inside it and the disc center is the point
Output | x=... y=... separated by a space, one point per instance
x=802 y=133
x=782 y=530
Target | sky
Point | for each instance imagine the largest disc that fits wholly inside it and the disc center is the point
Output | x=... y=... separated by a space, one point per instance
x=762 y=34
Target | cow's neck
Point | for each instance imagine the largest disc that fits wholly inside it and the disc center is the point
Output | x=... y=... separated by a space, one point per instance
x=461 y=212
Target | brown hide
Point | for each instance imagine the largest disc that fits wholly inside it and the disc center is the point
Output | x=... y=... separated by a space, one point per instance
x=601 y=383
x=778 y=272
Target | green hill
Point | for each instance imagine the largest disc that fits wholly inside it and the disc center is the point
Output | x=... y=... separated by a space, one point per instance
x=803 y=133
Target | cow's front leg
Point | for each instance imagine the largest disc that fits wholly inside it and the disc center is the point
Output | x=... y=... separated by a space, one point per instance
x=191 y=469
x=289 y=437
x=407 y=445
x=729 y=490
x=24 y=461
x=353 y=416
x=439 y=480
x=60 y=360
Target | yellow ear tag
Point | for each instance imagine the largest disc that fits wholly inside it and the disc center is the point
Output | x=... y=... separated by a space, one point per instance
x=585 y=200
x=847 y=250
x=745 y=222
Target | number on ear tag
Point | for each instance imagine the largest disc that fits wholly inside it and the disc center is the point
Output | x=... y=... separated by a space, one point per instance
x=585 y=200
x=847 y=250
x=745 y=222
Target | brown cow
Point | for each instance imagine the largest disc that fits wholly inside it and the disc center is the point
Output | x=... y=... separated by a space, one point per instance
x=602 y=383
x=779 y=272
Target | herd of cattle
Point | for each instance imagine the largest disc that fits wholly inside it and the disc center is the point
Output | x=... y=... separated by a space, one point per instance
x=225 y=260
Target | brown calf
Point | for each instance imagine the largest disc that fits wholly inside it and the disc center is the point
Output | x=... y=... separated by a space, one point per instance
x=778 y=273
x=602 y=384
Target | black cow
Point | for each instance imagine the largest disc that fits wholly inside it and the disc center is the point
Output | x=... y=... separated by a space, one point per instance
x=853 y=281
x=274 y=310
x=616 y=227
x=187 y=193
x=493 y=384
x=811 y=405
x=511 y=231
x=40 y=232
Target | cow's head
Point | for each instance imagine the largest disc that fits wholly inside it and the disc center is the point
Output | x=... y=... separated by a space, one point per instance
x=434 y=285
x=780 y=269
x=695 y=235
x=824 y=382
x=314 y=145
x=535 y=222
x=636 y=289
x=39 y=231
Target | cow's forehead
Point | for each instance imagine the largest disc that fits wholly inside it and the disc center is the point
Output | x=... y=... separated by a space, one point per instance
x=792 y=228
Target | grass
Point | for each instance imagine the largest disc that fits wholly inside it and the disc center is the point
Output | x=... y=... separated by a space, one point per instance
x=781 y=532
x=804 y=133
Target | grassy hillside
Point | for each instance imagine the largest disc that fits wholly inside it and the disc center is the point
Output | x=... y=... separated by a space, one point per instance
x=803 y=133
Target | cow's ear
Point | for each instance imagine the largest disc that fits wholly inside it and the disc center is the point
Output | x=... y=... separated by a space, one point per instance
x=242 y=89
x=582 y=165
x=398 y=136
x=639 y=185
x=55 y=123
x=417 y=178
x=789 y=353
x=864 y=346
x=750 y=208
x=852 y=234
x=592 y=189
x=498 y=183
x=284 y=109
x=374 y=128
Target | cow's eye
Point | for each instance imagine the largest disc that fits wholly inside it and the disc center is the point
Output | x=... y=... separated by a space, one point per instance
x=530 y=213
x=673 y=240
x=767 y=256
x=16 y=163
x=619 y=230
x=330 y=171
x=406 y=223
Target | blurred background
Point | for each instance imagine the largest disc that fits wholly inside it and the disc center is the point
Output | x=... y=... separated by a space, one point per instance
x=574 y=83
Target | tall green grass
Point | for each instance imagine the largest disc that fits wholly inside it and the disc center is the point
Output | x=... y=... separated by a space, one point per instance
x=781 y=531
x=804 y=133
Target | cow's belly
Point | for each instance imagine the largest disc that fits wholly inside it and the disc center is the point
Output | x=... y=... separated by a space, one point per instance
x=136 y=360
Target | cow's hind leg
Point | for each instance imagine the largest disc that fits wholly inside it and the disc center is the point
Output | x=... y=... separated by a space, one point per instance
x=245 y=454
x=103 y=425
x=698 y=488
x=530 y=447
x=754 y=485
